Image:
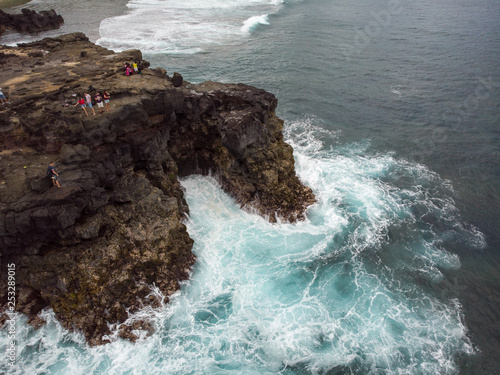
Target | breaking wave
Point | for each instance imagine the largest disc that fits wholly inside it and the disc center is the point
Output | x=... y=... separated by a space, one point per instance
x=174 y=26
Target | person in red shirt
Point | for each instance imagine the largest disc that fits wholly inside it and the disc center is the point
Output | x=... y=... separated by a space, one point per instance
x=81 y=101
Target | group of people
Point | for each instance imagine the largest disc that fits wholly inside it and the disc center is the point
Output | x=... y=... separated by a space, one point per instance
x=129 y=70
x=100 y=100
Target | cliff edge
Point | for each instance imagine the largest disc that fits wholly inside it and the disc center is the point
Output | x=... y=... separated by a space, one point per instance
x=92 y=249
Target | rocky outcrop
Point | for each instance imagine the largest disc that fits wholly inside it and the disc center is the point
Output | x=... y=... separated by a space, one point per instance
x=242 y=141
x=92 y=249
x=30 y=21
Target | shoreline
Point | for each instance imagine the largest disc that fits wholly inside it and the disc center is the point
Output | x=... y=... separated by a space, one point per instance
x=5 y=4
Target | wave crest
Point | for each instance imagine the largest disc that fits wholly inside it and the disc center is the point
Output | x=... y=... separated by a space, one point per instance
x=253 y=22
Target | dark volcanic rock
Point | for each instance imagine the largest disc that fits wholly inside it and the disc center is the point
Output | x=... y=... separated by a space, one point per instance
x=177 y=80
x=30 y=21
x=91 y=249
x=242 y=142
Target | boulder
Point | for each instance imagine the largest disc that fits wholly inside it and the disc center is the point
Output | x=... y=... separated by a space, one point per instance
x=177 y=80
x=74 y=154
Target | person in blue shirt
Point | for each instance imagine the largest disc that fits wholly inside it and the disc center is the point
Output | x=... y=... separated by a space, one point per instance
x=54 y=175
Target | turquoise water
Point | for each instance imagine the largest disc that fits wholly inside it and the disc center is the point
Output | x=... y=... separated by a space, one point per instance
x=395 y=271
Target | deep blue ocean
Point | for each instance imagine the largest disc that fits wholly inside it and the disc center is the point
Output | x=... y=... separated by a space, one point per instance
x=392 y=108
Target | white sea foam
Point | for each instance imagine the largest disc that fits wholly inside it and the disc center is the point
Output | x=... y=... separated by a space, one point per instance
x=251 y=24
x=176 y=26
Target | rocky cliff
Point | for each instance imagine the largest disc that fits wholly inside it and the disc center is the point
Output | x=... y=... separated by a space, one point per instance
x=30 y=21
x=91 y=249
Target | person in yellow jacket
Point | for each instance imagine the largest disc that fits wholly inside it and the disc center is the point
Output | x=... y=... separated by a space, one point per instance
x=136 y=67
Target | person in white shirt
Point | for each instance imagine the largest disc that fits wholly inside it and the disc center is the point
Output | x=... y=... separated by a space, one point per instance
x=88 y=99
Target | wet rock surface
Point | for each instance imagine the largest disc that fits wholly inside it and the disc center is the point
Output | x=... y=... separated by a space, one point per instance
x=92 y=249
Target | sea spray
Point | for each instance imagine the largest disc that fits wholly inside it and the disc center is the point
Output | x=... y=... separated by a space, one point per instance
x=251 y=24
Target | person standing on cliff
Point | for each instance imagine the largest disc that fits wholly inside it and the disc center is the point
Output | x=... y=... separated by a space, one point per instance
x=81 y=101
x=135 y=65
x=54 y=175
x=128 y=69
x=88 y=99
x=98 y=99
x=106 y=97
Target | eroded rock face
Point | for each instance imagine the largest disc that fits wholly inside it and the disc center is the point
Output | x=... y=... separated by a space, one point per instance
x=91 y=249
x=242 y=141
x=30 y=21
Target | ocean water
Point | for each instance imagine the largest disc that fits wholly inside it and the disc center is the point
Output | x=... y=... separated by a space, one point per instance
x=393 y=112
